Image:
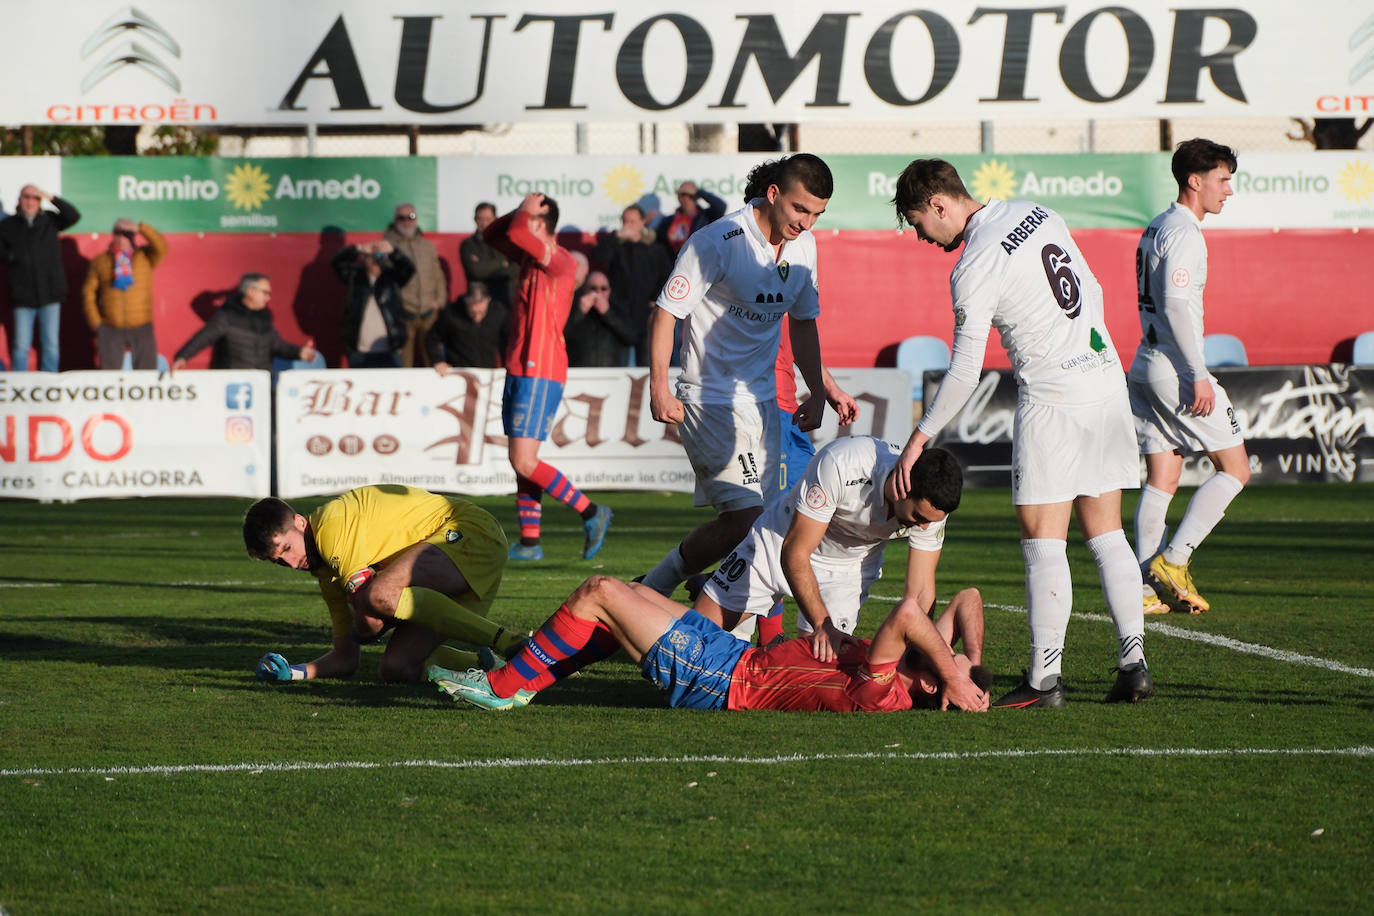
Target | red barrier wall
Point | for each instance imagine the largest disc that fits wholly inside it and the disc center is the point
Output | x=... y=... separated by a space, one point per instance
x=1295 y=296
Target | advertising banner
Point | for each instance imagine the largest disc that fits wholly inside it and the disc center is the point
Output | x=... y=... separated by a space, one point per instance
x=478 y=61
x=1330 y=189
x=339 y=429
x=1089 y=191
x=79 y=435
x=1301 y=423
x=213 y=194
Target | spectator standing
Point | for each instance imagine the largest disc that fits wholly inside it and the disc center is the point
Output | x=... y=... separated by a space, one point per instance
x=242 y=333
x=118 y=296
x=38 y=284
x=597 y=333
x=373 y=323
x=695 y=208
x=487 y=263
x=471 y=333
x=637 y=269
x=426 y=292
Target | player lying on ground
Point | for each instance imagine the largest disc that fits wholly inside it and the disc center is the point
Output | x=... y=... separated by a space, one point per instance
x=822 y=543
x=909 y=662
x=389 y=557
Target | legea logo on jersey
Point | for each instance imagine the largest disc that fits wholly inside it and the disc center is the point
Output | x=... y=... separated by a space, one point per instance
x=238 y=430
x=238 y=396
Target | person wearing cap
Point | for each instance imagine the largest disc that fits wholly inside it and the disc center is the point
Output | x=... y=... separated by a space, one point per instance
x=426 y=292
x=118 y=295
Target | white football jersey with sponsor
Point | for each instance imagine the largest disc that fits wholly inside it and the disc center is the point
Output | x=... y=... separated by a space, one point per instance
x=1171 y=264
x=843 y=486
x=733 y=295
x=1021 y=272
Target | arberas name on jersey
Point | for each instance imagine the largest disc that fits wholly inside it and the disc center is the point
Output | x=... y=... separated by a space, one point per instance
x=1024 y=229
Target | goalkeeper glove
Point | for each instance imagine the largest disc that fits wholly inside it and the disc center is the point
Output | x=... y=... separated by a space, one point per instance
x=272 y=667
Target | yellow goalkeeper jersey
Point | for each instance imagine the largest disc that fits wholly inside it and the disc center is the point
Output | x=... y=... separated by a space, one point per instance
x=370 y=525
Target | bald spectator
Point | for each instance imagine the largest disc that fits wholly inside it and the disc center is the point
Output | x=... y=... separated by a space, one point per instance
x=38 y=284
x=118 y=296
x=426 y=292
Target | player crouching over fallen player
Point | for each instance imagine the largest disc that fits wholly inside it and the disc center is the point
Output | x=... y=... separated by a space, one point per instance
x=909 y=662
x=389 y=557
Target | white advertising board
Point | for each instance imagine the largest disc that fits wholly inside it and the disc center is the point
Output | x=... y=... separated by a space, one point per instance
x=478 y=61
x=77 y=435
x=339 y=429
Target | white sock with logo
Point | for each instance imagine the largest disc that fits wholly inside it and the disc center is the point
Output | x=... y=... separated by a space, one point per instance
x=1120 y=575
x=1049 y=600
x=1205 y=509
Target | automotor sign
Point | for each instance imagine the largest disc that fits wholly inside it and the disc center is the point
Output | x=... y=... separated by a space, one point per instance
x=482 y=61
x=79 y=435
x=212 y=194
x=339 y=429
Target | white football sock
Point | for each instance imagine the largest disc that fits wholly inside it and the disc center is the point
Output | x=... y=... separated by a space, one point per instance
x=1120 y=575
x=1205 y=509
x=1150 y=528
x=1049 y=600
x=668 y=574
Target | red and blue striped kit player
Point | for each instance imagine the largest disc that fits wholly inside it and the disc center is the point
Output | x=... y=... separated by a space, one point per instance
x=536 y=368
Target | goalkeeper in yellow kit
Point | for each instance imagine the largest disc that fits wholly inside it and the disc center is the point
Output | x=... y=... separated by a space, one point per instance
x=389 y=557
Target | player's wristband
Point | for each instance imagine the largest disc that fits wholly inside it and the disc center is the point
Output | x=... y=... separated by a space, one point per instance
x=298 y=673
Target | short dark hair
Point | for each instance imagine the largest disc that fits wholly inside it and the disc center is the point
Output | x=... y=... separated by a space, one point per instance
x=1198 y=155
x=809 y=171
x=937 y=477
x=477 y=291
x=981 y=677
x=247 y=281
x=263 y=521
x=484 y=205
x=921 y=180
x=550 y=217
x=635 y=207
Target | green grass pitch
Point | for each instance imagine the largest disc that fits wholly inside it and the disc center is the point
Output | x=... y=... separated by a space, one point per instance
x=144 y=770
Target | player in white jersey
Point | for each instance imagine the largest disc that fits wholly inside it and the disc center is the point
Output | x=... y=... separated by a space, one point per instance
x=733 y=282
x=1179 y=407
x=1073 y=445
x=822 y=544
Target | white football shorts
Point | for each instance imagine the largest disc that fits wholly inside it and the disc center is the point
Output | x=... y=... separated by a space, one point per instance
x=1060 y=452
x=1160 y=401
x=734 y=453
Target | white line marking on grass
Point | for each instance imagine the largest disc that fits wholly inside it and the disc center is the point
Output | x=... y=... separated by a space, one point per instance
x=1224 y=642
x=1211 y=639
x=515 y=763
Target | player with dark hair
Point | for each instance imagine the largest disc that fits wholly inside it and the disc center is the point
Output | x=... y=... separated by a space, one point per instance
x=733 y=283
x=389 y=557
x=909 y=662
x=822 y=544
x=1179 y=407
x=537 y=368
x=1073 y=447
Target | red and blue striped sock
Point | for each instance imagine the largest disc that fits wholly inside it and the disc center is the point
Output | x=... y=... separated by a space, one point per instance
x=560 y=487
x=527 y=509
x=563 y=636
